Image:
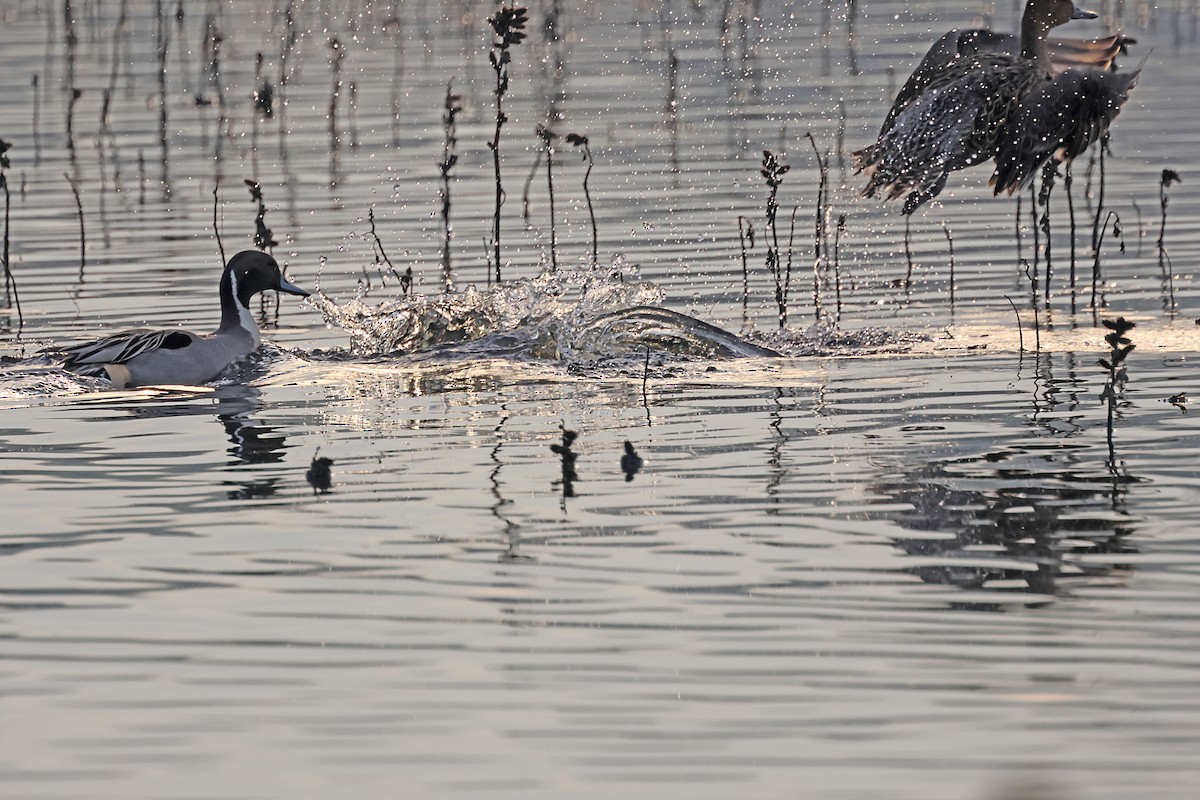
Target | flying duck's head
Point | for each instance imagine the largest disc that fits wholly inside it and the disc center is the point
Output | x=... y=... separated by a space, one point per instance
x=1047 y=14
x=251 y=272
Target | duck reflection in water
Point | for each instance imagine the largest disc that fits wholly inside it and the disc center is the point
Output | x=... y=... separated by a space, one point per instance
x=251 y=443
x=1013 y=521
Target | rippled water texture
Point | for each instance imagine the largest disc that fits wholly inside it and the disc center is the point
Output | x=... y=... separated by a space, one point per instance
x=605 y=532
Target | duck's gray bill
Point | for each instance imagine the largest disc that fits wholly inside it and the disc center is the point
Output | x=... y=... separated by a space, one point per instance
x=1081 y=14
x=290 y=288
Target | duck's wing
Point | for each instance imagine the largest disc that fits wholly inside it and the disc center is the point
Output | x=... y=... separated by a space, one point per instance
x=952 y=45
x=1059 y=119
x=952 y=124
x=1099 y=53
x=122 y=347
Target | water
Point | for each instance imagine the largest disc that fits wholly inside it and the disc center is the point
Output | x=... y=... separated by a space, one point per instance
x=903 y=560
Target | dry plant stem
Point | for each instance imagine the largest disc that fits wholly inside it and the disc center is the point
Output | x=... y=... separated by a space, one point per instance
x=1048 y=173
x=837 y=265
x=587 y=195
x=908 y=255
x=1067 y=182
x=82 y=233
x=743 y=223
x=1097 y=234
x=819 y=233
x=787 y=273
x=406 y=279
x=508 y=24
x=1033 y=224
x=950 y=242
x=547 y=137
x=1031 y=276
x=1017 y=230
x=451 y=109
x=1112 y=215
x=11 y=296
x=1020 y=330
x=773 y=172
x=216 y=227
x=1169 y=176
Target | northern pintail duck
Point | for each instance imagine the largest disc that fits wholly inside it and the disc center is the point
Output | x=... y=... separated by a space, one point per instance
x=1018 y=108
x=148 y=357
x=964 y=42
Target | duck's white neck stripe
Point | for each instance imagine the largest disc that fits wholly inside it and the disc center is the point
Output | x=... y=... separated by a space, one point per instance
x=244 y=316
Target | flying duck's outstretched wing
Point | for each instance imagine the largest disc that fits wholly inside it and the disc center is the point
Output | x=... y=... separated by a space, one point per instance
x=1064 y=54
x=1058 y=120
x=952 y=124
x=89 y=358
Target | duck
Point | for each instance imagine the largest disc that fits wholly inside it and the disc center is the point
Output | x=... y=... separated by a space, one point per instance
x=1018 y=108
x=1064 y=54
x=148 y=357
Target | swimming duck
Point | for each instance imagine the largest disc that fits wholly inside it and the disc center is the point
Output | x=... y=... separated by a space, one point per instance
x=977 y=107
x=147 y=357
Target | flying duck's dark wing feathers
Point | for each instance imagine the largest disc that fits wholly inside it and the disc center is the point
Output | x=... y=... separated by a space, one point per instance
x=123 y=347
x=1064 y=54
x=1058 y=120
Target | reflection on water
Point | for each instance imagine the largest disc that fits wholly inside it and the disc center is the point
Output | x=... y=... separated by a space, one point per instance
x=989 y=523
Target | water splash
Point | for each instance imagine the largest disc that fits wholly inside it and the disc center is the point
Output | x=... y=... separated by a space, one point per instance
x=569 y=314
x=573 y=315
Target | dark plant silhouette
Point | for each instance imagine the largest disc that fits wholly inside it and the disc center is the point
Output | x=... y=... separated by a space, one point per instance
x=1049 y=172
x=1067 y=185
x=773 y=172
x=263 y=238
x=567 y=457
x=547 y=138
x=381 y=258
x=450 y=111
x=1118 y=232
x=1119 y=349
x=581 y=141
x=216 y=226
x=11 y=297
x=745 y=233
x=1097 y=235
x=820 y=235
x=508 y=23
x=82 y=232
x=631 y=462
x=1169 y=176
x=320 y=474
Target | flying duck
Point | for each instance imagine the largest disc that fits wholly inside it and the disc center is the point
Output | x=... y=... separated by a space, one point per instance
x=1018 y=108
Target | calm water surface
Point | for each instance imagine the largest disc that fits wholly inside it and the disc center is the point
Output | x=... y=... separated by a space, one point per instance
x=906 y=561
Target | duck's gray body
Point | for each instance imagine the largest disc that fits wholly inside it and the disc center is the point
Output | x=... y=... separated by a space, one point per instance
x=154 y=357
x=973 y=99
